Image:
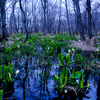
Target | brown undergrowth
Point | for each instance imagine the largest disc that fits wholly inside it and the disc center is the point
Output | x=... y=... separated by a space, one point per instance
x=88 y=44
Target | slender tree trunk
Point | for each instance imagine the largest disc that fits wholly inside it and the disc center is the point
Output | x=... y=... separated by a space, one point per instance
x=44 y=6
x=3 y=17
x=44 y=17
x=0 y=23
x=85 y=24
x=18 y=23
x=79 y=20
x=26 y=12
x=59 y=23
x=32 y=17
x=13 y=25
x=67 y=17
x=89 y=19
x=94 y=28
x=76 y=23
x=25 y=21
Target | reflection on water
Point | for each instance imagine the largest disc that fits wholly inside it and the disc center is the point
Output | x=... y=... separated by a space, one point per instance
x=35 y=82
x=98 y=90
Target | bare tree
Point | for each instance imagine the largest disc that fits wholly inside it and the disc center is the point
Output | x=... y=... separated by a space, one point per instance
x=44 y=6
x=52 y=18
x=3 y=17
x=89 y=19
x=0 y=22
x=79 y=20
x=34 y=17
x=25 y=21
x=59 y=21
x=13 y=25
x=67 y=17
x=76 y=24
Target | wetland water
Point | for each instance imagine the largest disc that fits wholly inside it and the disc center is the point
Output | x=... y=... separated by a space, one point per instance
x=35 y=83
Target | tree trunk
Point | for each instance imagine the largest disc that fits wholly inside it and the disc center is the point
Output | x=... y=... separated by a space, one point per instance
x=0 y=23
x=94 y=28
x=67 y=17
x=25 y=21
x=3 y=17
x=18 y=23
x=85 y=24
x=59 y=23
x=89 y=19
x=79 y=21
x=13 y=25
x=44 y=6
x=44 y=17
x=76 y=23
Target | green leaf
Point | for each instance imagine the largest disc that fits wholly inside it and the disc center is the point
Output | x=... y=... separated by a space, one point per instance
x=71 y=62
x=66 y=71
x=11 y=68
x=73 y=71
x=81 y=79
x=0 y=71
x=55 y=77
x=82 y=72
x=1 y=92
x=61 y=78
x=63 y=71
x=77 y=75
x=66 y=75
x=77 y=72
x=67 y=58
x=61 y=59
x=57 y=64
x=73 y=81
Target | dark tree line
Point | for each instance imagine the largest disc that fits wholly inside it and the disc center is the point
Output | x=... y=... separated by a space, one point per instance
x=48 y=16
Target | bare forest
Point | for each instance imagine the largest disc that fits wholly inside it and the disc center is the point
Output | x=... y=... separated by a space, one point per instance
x=50 y=49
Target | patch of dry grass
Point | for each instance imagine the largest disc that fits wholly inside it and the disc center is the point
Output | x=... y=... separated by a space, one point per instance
x=87 y=45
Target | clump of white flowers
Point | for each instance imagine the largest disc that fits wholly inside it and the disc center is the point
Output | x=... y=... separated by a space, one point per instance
x=17 y=71
x=77 y=81
x=69 y=51
x=73 y=49
x=48 y=48
x=97 y=49
x=79 y=41
x=65 y=91
x=18 y=46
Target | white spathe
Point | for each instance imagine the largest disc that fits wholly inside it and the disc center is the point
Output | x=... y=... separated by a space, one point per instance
x=69 y=51
x=17 y=71
x=73 y=49
x=9 y=75
x=65 y=91
x=48 y=48
x=97 y=49
x=77 y=81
